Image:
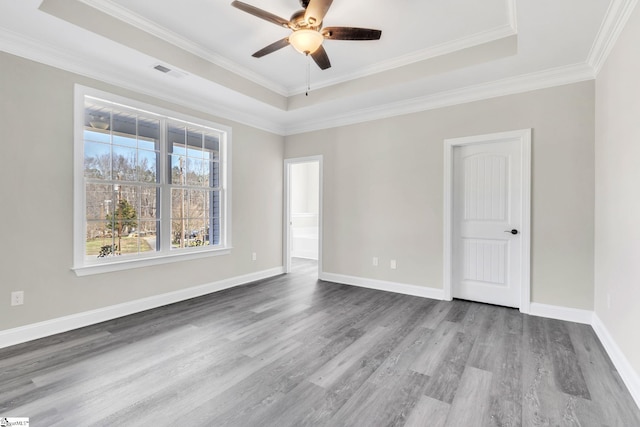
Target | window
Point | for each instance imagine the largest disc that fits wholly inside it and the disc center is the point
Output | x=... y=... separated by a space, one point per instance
x=150 y=185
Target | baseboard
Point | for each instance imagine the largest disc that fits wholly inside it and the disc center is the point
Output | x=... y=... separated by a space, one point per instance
x=561 y=313
x=624 y=368
x=34 y=331
x=381 y=285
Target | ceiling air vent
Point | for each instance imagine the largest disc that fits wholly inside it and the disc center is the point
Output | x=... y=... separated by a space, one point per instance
x=162 y=68
x=169 y=71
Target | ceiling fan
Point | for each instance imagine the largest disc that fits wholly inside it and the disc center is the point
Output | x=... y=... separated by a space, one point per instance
x=308 y=34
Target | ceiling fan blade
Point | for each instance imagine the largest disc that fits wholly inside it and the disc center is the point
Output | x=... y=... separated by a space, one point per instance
x=316 y=10
x=320 y=57
x=271 y=48
x=350 y=33
x=263 y=14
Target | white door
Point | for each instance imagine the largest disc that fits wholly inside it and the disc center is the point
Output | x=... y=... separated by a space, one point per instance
x=487 y=216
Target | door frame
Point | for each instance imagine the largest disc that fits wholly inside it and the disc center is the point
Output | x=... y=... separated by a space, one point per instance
x=286 y=226
x=523 y=138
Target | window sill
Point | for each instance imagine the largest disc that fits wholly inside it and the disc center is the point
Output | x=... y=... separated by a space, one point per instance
x=108 y=267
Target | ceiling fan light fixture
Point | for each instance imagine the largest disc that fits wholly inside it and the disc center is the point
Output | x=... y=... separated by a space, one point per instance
x=306 y=41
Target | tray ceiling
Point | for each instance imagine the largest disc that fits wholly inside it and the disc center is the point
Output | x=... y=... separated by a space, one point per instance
x=430 y=54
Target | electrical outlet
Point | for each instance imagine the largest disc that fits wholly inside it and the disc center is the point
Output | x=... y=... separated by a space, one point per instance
x=254 y=256
x=393 y=264
x=17 y=298
x=375 y=261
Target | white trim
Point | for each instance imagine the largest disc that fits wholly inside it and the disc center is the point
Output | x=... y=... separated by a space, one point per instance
x=561 y=313
x=513 y=15
x=616 y=18
x=382 y=285
x=38 y=330
x=620 y=361
x=108 y=267
x=523 y=137
x=286 y=226
x=509 y=86
x=51 y=55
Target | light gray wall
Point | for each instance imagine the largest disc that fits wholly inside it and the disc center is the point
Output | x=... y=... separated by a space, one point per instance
x=383 y=189
x=617 y=214
x=36 y=197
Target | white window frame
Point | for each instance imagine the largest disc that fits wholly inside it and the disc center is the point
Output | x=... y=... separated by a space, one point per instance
x=85 y=266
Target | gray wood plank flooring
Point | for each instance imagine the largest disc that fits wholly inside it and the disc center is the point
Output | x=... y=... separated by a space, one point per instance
x=294 y=351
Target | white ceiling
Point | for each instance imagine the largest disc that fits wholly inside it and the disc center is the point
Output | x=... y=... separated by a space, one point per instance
x=431 y=53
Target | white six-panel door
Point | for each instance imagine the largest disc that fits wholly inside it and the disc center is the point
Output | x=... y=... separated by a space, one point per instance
x=486 y=222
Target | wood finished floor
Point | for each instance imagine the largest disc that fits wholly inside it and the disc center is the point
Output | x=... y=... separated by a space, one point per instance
x=291 y=351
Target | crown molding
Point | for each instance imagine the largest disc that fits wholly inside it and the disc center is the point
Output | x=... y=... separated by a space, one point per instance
x=613 y=23
x=417 y=56
x=19 y=45
x=116 y=11
x=509 y=86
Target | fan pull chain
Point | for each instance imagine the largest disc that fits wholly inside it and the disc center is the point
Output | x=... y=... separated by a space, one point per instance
x=308 y=75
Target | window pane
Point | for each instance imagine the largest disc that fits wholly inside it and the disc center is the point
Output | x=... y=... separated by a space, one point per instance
x=195 y=172
x=125 y=140
x=98 y=117
x=215 y=204
x=214 y=232
x=177 y=170
x=197 y=203
x=143 y=238
x=126 y=210
x=197 y=231
x=215 y=175
x=99 y=241
x=212 y=147
x=124 y=123
x=176 y=139
x=178 y=231
x=148 y=165
x=148 y=144
x=97 y=136
x=206 y=173
x=97 y=160
x=178 y=203
x=149 y=206
x=148 y=133
x=124 y=163
x=190 y=218
x=194 y=143
x=99 y=201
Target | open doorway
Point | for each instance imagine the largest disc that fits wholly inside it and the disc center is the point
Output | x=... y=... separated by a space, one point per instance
x=303 y=215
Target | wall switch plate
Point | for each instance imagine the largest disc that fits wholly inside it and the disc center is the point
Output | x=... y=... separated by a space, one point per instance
x=254 y=256
x=17 y=298
x=375 y=261
x=393 y=264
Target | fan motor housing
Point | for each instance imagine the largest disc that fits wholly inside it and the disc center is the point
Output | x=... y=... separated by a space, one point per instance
x=298 y=21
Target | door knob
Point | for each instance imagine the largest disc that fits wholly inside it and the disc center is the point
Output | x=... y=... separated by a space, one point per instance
x=513 y=231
